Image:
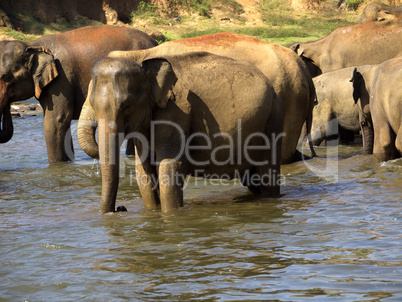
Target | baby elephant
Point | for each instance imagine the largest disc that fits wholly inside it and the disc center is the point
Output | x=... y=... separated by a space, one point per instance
x=334 y=107
x=192 y=114
x=381 y=109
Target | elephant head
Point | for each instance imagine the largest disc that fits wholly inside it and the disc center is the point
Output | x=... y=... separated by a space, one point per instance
x=312 y=66
x=121 y=97
x=380 y=12
x=361 y=97
x=24 y=72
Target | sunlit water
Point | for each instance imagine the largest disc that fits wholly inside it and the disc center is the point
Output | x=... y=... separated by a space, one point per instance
x=335 y=235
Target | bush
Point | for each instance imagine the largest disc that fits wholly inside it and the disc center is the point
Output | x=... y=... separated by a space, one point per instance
x=353 y=4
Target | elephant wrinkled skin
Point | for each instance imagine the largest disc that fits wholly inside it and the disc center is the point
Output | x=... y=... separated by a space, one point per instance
x=381 y=109
x=283 y=68
x=195 y=101
x=56 y=70
x=352 y=45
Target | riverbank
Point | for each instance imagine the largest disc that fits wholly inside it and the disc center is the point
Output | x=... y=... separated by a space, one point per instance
x=20 y=109
x=270 y=20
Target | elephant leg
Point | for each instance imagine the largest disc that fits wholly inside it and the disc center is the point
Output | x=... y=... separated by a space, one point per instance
x=263 y=180
x=130 y=150
x=384 y=142
x=270 y=180
x=146 y=180
x=247 y=181
x=322 y=124
x=398 y=141
x=270 y=169
x=290 y=141
x=58 y=113
x=171 y=181
x=346 y=136
x=317 y=136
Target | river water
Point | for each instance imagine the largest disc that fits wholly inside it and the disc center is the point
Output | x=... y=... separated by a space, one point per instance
x=334 y=235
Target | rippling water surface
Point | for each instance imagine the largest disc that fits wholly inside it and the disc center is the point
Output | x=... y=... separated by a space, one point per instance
x=334 y=235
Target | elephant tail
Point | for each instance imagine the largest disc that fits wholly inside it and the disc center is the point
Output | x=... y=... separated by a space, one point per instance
x=309 y=119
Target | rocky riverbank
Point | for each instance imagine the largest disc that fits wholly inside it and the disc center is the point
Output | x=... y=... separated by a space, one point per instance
x=21 y=110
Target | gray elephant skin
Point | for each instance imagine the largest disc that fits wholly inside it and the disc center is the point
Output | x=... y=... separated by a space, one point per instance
x=334 y=99
x=380 y=12
x=283 y=68
x=353 y=45
x=56 y=70
x=380 y=110
x=200 y=93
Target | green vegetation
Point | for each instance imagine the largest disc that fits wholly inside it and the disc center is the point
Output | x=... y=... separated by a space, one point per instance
x=32 y=29
x=278 y=21
x=353 y=4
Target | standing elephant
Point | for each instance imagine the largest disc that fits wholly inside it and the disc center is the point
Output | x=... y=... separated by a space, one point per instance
x=55 y=69
x=285 y=71
x=379 y=12
x=381 y=109
x=334 y=96
x=191 y=115
x=353 y=45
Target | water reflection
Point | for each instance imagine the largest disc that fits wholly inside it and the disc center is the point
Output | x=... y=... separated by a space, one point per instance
x=328 y=238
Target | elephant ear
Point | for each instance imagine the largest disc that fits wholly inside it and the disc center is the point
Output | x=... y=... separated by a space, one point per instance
x=298 y=49
x=357 y=81
x=42 y=66
x=161 y=77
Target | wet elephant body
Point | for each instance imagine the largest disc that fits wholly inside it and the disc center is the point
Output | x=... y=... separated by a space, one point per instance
x=380 y=109
x=352 y=45
x=335 y=101
x=386 y=110
x=284 y=70
x=56 y=70
x=195 y=101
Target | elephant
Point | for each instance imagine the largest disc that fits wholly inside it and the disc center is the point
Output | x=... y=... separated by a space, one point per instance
x=380 y=110
x=284 y=69
x=190 y=115
x=334 y=96
x=55 y=69
x=379 y=12
x=352 y=45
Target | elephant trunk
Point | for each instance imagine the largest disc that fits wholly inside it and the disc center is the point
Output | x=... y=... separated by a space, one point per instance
x=87 y=125
x=368 y=139
x=109 y=147
x=6 y=125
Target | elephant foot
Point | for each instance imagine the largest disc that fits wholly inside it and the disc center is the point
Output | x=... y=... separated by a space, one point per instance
x=254 y=189
x=246 y=181
x=121 y=209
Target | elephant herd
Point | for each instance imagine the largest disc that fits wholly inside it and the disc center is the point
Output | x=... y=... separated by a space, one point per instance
x=220 y=105
x=357 y=76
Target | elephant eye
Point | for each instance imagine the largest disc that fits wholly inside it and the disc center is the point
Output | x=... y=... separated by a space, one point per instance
x=8 y=77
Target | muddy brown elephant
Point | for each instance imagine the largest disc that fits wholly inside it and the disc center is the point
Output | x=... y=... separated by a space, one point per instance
x=190 y=115
x=380 y=12
x=55 y=69
x=334 y=99
x=352 y=45
x=283 y=68
x=380 y=109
